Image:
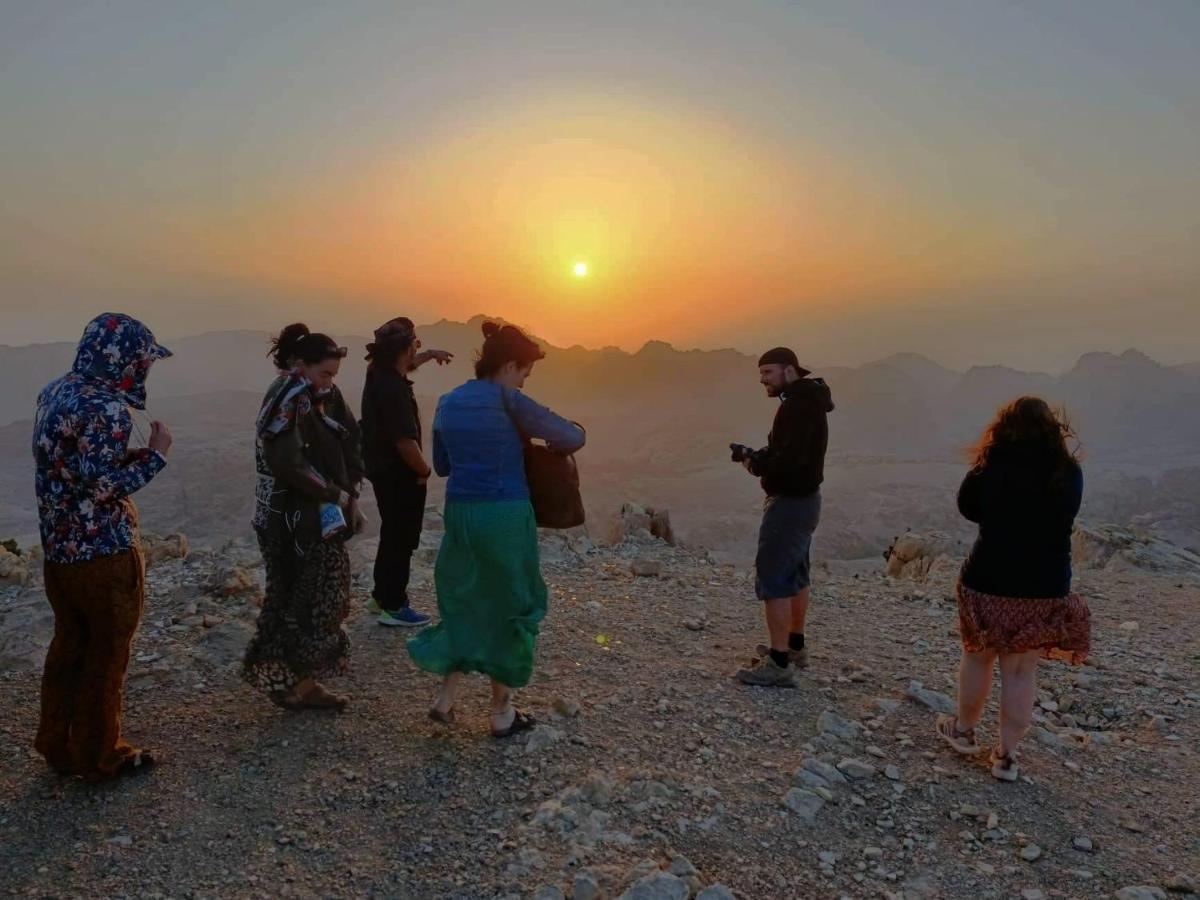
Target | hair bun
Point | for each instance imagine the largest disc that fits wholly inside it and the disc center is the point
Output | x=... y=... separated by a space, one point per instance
x=490 y=328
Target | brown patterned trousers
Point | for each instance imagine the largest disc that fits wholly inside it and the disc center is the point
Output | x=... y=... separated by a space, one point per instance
x=97 y=605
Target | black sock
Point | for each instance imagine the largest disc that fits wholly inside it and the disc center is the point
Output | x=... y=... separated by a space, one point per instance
x=796 y=640
x=780 y=657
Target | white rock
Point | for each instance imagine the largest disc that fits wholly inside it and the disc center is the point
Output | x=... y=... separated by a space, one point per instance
x=829 y=722
x=934 y=700
x=824 y=769
x=856 y=768
x=805 y=804
x=542 y=737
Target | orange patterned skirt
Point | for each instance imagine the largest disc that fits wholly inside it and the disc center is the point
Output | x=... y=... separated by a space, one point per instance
x=1060 y=627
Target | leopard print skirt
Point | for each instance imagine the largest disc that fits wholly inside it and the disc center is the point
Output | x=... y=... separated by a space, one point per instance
x=299 y=633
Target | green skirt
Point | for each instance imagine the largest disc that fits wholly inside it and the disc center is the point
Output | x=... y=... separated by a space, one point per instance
x=490 y=593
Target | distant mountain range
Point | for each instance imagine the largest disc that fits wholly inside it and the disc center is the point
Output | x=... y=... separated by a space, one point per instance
x=1123 y=406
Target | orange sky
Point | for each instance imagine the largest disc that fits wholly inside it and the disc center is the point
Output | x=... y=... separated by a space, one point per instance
x=674 y=215
x=977 y=184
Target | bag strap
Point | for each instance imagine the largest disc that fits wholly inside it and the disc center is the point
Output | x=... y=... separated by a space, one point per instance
x=525 y=439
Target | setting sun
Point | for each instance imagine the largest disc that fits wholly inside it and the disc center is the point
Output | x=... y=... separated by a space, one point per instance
x=580 y=270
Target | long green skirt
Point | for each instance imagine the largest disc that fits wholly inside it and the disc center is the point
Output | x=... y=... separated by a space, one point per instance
x=490 y=593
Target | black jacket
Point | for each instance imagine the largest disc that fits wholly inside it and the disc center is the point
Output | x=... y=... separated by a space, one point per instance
x=793 y=462
x=1026 y=512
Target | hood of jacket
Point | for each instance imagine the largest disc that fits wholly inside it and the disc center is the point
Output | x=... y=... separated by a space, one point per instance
x=811 y=392
x=116 y=352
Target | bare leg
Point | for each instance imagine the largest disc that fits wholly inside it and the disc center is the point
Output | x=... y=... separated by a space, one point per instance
x=974 y=685
x=447 y=693
x=502 y=708
x=779 y=621
x=800 y=610
x=1018 y=687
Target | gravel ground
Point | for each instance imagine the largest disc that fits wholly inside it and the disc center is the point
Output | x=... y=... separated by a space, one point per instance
x=652 y=767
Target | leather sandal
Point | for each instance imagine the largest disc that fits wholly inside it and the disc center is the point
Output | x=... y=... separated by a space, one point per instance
x=289 y=700
x=318 y=697
x=521 y=722
x=443 y=718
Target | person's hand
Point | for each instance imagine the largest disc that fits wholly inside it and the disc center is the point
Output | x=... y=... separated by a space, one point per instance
x=358 y=520
x=441 y=357
x=160 y=438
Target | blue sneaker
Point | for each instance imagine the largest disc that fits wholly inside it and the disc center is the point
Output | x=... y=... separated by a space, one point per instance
x=404 y=618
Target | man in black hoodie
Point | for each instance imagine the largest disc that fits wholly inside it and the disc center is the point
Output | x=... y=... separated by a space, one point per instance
x=791 y=468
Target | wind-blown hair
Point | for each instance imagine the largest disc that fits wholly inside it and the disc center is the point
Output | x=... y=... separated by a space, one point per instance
x=502 y=345
x=1027 y=425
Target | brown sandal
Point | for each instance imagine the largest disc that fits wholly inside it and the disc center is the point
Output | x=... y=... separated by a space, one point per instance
x=318 y=697
x=443 y=718
x=288 y=700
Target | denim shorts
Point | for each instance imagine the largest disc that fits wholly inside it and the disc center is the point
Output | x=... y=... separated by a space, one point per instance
x=784 y=542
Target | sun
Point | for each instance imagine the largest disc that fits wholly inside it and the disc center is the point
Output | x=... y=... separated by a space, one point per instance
x=580 y=269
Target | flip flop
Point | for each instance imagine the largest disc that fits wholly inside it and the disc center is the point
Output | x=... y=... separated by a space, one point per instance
x=521 y=722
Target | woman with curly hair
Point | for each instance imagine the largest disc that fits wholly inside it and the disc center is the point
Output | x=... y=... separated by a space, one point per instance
x=1014 y=593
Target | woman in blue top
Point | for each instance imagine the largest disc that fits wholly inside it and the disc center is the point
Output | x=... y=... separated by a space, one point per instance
x=490 y=592
x=1014 y=594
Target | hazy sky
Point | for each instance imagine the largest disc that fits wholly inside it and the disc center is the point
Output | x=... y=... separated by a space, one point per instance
x=982 y=182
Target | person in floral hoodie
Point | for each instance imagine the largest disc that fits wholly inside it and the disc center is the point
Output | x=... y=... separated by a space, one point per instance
x=94 y=571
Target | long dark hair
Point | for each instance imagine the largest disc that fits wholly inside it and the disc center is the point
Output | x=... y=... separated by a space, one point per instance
x=297 y=342
x=1030 y=425
x=502 y=345
x=285 y=345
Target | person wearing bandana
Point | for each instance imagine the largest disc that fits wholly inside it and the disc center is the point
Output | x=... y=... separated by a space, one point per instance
x=395 y=464
x=307 y=444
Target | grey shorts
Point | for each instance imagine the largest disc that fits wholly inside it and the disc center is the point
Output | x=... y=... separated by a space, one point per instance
x=784 y=544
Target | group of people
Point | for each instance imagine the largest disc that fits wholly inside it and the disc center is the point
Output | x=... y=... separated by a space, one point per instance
x=312 y=456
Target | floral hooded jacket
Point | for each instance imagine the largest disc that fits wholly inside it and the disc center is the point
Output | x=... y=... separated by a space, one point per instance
x=85 y=472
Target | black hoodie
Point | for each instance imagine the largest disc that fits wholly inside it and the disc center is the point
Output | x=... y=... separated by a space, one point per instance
x=793 y=462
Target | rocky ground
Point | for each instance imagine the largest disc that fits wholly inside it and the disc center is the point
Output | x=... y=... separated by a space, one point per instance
x=653 y=775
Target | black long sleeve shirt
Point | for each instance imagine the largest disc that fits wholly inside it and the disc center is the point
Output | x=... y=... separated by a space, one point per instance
x=1025 y=511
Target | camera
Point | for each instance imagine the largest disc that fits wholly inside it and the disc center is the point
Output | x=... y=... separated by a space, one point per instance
x=741 y=453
